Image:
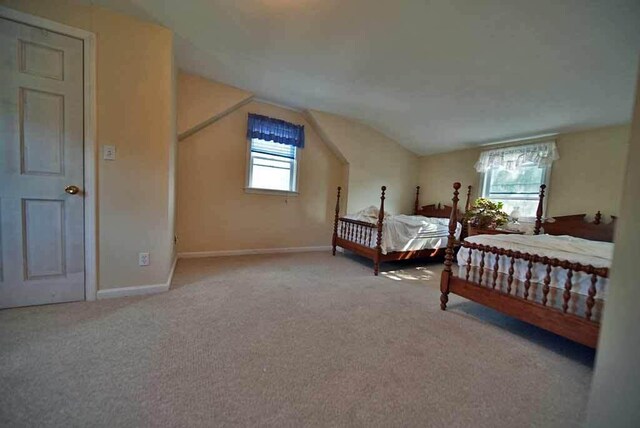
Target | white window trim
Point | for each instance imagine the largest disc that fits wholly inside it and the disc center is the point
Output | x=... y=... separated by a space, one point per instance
x=547 y=181
x=272 y=192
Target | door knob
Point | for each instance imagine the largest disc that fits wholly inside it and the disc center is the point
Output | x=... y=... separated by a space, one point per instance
x=72 y=190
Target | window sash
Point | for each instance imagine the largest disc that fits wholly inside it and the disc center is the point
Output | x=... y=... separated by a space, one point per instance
x=515 y=196
x=274 y=149
x=264 y=160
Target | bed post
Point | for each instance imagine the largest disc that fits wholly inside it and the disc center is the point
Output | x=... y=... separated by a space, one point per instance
x=538 y=226
x=467 y=206
x=335 y=223
x=598 y=218
x=376 y=259
x=448 y=258
x=416 y=205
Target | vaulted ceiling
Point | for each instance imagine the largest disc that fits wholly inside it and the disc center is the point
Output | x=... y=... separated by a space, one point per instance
x=435 y=75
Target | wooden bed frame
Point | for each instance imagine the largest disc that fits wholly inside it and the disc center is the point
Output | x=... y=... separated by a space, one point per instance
x=358 y=236
x=577 y=327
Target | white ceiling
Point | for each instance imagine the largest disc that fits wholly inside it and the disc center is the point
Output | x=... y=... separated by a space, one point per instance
x=435 y=75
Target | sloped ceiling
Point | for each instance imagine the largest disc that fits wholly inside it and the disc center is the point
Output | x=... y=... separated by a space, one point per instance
x=435 y=75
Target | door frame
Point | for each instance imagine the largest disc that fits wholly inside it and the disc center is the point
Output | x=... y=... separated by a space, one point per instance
x=90 y=152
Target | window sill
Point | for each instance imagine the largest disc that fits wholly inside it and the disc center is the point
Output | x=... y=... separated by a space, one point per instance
x=271 y=192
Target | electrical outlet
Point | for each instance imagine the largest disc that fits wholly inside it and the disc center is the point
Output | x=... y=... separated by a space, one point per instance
x=143 y=259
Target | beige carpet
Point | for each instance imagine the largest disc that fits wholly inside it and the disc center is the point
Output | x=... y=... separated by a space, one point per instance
x=287 y=340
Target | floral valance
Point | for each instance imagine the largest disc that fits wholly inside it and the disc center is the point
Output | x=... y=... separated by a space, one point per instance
x=276 y=130
x=511 y=158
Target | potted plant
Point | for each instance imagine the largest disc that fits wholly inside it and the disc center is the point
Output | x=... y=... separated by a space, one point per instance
x=486 y=214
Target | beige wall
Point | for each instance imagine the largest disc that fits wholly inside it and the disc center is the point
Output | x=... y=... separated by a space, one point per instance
x=590 y=172
x=136 y=113
x=196 y=104
x=214 y=211
x=439 y=172
x=374 y=160
x=587 y=177
x=615 y=390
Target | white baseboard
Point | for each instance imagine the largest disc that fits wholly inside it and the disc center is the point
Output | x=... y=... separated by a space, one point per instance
x=199 y=254
x=138 y=290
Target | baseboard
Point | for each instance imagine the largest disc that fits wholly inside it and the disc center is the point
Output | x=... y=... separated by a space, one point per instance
x=139 y=290
x=199 y=254
x=172 y=271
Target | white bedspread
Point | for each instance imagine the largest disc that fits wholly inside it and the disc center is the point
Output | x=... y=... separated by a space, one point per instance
x=577 y=250
x=408 y=232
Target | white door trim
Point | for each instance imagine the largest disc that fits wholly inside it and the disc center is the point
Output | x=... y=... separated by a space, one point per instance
x=90 y=185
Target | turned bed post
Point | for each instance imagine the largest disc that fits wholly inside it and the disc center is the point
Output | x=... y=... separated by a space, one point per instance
x=416 y=205
x=335 y=223
x=448 y=258
x=538 y=226
x=467 y=206
x=376 y=259
x=598 y=218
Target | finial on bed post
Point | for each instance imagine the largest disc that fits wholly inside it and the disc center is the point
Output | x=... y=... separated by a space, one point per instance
x=538 y=226
x=416 y=205
x=451 y=240
x=376 y=259
x=467 y=206
x=335 y=223
x=598 y=218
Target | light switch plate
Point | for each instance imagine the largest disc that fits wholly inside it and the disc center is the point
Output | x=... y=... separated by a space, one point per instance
x=143 y=259
x=109 y=152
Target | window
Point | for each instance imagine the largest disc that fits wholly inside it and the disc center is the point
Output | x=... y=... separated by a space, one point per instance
x=513 y=175
x=518 y=188
x=272 y=166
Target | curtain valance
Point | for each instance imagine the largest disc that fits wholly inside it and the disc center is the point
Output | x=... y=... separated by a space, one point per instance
x=510 y=158
x=276 y=130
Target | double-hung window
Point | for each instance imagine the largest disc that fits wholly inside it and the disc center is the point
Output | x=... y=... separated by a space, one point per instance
x=517 y=189
x=272 y=166
x=513 y=175
x=273 y=154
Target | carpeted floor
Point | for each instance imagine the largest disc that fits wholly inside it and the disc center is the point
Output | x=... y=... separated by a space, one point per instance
x=287 y=340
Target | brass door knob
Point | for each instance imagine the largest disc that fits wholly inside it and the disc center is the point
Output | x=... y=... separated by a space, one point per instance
x=72 y=190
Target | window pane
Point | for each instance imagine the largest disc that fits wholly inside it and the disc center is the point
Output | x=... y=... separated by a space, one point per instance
x=271 y=162
x=525 y=180
x=272 y=165
x=267 y=177
x=271 y=148
x=526 y=207
x=517 y=188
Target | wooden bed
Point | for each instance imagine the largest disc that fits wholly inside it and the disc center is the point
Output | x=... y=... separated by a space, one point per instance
x=579 y=327
x=365 y=238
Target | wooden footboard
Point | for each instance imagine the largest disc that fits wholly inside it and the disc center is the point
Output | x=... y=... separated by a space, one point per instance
x=487 y=286
x=360 y=237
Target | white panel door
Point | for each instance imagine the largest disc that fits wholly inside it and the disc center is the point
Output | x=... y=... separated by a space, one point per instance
x=41 y=155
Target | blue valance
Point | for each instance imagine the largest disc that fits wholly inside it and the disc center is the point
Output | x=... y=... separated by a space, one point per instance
x=276 y=130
